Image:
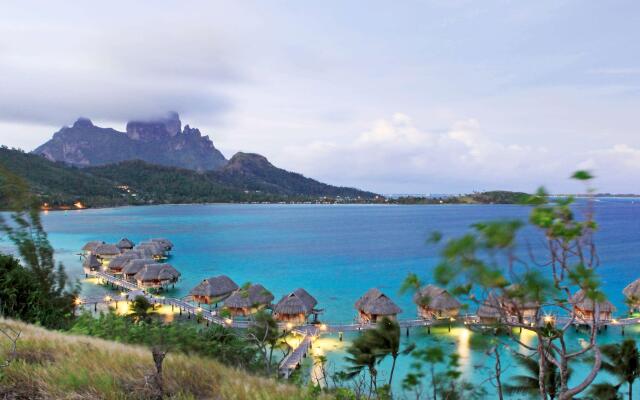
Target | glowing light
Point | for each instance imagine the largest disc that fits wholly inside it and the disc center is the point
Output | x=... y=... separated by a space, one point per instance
x=289 y=325
x=323 y=327
x=614 y=321
x=228 y=321
x=78 y=205
x=199 y=309
x=452 y=319
x=78 y=301
x=107 y=298
x=123 y=294
x=548 y=319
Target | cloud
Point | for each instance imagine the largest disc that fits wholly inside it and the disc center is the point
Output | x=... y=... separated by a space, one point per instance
x=52 y=72
x=394 y=154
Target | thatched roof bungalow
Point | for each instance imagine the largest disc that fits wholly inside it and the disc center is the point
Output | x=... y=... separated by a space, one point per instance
x=151 y=249
x=632 y=294
x=166 y=243
x=125 y=244
x=519 y=304
x=295 y=307
x=132 y=267
x=157 y=276
x=214 y=289
x=91 y=246
x=434 y=302
x=374 y=304
x=248 y=300
x=91 y=263
x=105 y=252
x=585 y=307
x=490 y=312
x=118 y=262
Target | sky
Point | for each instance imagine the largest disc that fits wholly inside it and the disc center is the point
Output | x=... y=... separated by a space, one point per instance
x=420 y=97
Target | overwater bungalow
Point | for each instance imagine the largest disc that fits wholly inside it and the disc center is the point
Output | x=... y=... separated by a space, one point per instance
x=490 y=311
x=157 y=276
x=132 y=267
x=374 y=305
x=91 y=263
x=118 y=262
x=213 y=290
x=518 y=304
x=248 y=300
x=585 y=307
x=166 y=243
x=295 y=307
x=105 y=252
x=124 y=245
x=90 y=247
x=632 y=294
x=151 y=249
x=433 y=302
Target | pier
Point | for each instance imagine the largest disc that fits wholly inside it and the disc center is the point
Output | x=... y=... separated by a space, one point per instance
x=309 y=332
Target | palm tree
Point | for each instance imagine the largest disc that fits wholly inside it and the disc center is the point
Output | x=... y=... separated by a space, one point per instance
x=604 y=391
x=623 y=361
x=141 y=309
x=529 y=384
x=386 y=340
x=363 y=354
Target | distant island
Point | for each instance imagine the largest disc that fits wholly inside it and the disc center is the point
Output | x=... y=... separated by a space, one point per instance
x=247 y=178
x=161 y=162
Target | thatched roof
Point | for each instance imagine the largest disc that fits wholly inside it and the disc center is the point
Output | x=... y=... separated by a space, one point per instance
x=308 y=300
x=125 y=243
x=249 y=297
x=490 y=308
x=297 y=302
x=119 y=261
x=632 y=291
x=580 y=300
x=91 y=262
x=435 y=298
x=515 y=296
x=106 y=249
x=154 y=249
x=375 y=302
x=157 y=272
x=91 y=246
x=216 y=286
x=166 y=243
x=132 y=267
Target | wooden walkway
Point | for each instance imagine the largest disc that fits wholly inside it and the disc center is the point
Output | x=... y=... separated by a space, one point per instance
x=309 y=332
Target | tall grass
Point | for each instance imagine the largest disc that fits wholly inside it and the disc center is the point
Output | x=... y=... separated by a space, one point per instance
x=56 y=365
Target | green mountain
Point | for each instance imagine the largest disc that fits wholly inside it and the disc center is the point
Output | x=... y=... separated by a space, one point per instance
x=246 y=178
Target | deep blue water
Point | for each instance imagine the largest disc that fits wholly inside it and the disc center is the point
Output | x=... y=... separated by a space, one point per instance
x=335 y=252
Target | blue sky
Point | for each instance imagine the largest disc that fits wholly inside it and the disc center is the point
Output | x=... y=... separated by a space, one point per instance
x=396 y=97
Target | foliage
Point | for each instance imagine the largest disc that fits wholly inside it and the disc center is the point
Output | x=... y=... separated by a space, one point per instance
x=55 y=365
x=214 y=342
x=623 y=361
x=36 y=290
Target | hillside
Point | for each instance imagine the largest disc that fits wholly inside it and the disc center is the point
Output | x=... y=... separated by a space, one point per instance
x=55 y=365
x=137 y=182
x=254 y=172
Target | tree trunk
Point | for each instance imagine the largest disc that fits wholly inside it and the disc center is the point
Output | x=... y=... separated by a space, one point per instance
x=630 y=390
x=393 y=367
x=498 y=372
x=158 y=359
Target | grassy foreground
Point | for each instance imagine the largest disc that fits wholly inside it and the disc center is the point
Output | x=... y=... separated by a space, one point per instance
x=61 y=366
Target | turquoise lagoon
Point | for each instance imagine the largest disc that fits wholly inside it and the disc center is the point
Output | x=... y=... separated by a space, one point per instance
x=337 y=252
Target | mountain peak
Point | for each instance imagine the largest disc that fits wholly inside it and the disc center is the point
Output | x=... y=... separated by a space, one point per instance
x=83 y=123
x=168 y=125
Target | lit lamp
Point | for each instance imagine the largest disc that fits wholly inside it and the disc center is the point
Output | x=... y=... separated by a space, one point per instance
x=323 y=327
x=289 y=326
x=228 y=321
